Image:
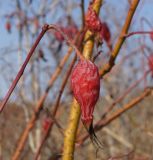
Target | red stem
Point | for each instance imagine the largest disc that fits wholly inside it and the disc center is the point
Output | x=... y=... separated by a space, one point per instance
x=58 y=99
x=138 y=32
x=70 y=41
x=44 y=29
x=21 y=71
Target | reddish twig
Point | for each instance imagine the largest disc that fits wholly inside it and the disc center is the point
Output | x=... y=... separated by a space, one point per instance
x=44 y=29
x=71 y=43
x=129 y=155
x=21 y=71
x=38 y=108
x=56 y=106
x=137 y=33
x=47 y=132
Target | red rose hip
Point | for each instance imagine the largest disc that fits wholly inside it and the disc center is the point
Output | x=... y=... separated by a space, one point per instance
x=85 y=84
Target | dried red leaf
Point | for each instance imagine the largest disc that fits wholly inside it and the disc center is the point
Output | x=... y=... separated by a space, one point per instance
x=104 y=35
x=105 y=32
x=101 y=29
x=58 y=36
x=70 y=31
x=151 y=36
x=8 y=26
x=46 y=124
x=150 y=63
x=85 y=84
x=36 y=23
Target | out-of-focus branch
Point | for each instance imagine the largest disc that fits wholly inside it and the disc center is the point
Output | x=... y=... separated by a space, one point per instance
x=82 y=11
x=138 y=33
x=125 y=108
x=39 y=106
x=120 y=98
x=55 y=107
x=18 y=76
x=104 y=122
x=57 y=102
x=118 y=137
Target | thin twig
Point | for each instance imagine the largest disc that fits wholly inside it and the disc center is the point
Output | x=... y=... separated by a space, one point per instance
x=83 y=15
x=21 y=71
x=39 y=106
x=137 y=33
x=46 y=134
x=56 y=106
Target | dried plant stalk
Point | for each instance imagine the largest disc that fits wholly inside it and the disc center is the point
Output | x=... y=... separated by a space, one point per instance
x=70 y=133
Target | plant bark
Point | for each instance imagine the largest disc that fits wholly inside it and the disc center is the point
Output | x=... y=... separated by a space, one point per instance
x=75 y=112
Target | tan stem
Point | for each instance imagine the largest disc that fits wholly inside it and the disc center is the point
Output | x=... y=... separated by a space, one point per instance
x=70 y=132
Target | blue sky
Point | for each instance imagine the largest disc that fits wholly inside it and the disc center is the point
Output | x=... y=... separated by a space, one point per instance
x=114 y=7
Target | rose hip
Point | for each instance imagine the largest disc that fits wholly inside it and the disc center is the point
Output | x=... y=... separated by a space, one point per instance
x=95 y=25
x=92 y=21
x=85 y=84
